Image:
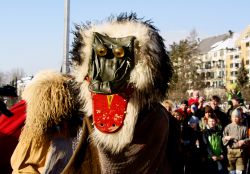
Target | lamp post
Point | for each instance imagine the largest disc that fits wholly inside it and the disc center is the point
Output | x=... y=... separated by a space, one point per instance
x=65 y=66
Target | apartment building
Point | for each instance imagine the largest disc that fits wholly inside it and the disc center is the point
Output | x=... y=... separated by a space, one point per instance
x=222 y=56
x=233 y=63
x=243 y=47
x=213 y=53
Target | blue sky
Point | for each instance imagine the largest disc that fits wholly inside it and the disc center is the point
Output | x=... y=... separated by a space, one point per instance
x=31 y=34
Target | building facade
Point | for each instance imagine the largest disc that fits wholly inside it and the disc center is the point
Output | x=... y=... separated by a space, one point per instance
x=222 y=56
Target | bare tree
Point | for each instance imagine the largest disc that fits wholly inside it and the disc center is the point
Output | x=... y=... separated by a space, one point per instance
x=16 y=73
x=11 y=76
x=4 y=78
x=186 y=77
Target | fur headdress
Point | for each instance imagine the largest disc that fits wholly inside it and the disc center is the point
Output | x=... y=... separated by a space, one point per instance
x=150 y=76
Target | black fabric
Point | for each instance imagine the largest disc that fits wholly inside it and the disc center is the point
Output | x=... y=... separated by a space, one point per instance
x=8 y=90
x=4 y=110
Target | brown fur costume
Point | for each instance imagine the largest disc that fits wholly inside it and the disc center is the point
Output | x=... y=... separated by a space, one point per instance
x=145 y=142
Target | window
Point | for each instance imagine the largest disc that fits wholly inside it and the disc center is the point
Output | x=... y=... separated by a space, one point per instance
x=231 y=57
x=203 y=75
x=208 y=65
x=221 y=74
x=208 y=74
x=231 y=65
x=220 y=83
x=215 y=84
x=213 y=64
x=237 y=65
x=247 y=62
x=247 y=44
x=212 y=75
x=247 y=53
x=222 y=64
x=221 y=53
x=234 y=73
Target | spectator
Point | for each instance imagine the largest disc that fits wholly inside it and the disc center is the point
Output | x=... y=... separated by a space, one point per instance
x=183 y=109
x=222 y=117
x=235 y=138
x=204 y=120
x=193 y=146
x=212 y=138
x=192 y=111
x=235 y=103
x=168 y=104
x=233 y=90
x=4 y=110
x=178 y=115
x=194 y=99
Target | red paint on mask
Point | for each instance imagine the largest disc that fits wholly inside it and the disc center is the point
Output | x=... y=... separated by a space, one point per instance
x=109 y=112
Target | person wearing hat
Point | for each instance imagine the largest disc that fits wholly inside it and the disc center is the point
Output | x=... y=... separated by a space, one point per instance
x=235 y=138
x=235 y=104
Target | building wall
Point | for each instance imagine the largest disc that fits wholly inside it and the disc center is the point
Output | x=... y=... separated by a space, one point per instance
x=221 y=63
x=243 y=45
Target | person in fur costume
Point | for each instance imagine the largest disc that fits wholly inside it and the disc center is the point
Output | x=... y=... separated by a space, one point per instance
x=120 y=76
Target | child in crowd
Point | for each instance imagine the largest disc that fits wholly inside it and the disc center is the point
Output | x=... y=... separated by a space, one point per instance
x=193 y=146
x=212 y=138
x=178 y=115
x=235 y=138
x=204 y=120
x=194 y=99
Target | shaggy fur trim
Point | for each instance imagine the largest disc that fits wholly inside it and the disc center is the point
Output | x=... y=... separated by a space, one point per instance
x=153 y=68
x=150 y=77
x=49 y=102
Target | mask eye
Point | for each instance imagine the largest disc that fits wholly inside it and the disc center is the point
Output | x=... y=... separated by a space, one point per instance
x=118 y=52
x=101 y=51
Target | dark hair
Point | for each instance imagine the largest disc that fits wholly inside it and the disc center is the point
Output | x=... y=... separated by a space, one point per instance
x=216 y=98
x=184 y=102
x=208 y=109
x=213 y=116
x=236 y=97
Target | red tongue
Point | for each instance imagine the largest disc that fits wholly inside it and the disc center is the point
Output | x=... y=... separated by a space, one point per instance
x=109 y=112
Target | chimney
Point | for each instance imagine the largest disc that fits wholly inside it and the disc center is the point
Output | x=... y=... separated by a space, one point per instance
x=230 y=33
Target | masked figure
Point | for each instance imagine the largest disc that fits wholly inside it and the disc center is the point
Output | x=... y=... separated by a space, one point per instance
x=120 y=74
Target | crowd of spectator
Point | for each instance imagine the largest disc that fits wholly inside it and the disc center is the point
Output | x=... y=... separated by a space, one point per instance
x=213 y=141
